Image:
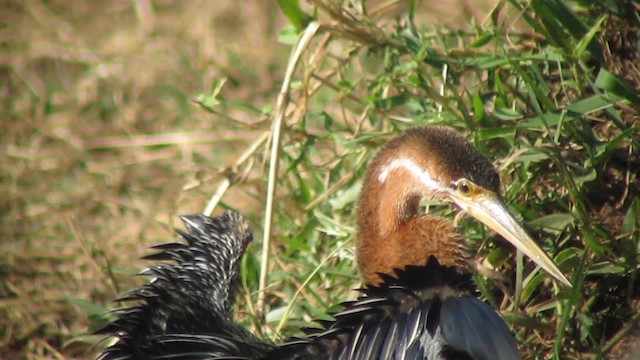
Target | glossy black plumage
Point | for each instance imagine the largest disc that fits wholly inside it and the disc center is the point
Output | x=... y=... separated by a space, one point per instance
x=424 y=312
x=188 y=298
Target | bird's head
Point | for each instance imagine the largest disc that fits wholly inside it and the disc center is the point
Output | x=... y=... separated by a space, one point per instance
x=439 y=163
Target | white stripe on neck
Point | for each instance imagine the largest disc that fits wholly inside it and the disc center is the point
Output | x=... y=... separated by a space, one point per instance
x=414 y=169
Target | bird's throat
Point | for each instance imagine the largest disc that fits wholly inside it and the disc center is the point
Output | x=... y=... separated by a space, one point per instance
x=392 y=234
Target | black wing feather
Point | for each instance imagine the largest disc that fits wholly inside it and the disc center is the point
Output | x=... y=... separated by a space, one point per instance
x=407 y=318
x=184 y=311
x=472 y=326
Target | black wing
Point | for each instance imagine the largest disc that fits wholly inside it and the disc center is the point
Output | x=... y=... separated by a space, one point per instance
x=427 y=312
x=183 y=312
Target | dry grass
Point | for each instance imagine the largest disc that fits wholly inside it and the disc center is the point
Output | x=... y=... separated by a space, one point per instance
x=102 y=145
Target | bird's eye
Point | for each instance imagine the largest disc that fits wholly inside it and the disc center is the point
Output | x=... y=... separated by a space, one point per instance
x=463 y=187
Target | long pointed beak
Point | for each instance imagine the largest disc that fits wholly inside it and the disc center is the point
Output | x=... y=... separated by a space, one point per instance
x=491 y=210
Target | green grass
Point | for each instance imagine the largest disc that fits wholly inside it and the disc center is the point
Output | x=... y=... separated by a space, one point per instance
x=554 y=105
x=548 y=90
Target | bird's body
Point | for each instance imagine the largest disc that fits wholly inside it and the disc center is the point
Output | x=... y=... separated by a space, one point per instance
x=181 y=316
x=419 y=301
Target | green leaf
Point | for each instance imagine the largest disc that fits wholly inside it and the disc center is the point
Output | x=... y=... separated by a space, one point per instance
x=556 y=222
x=498 y=256
x=569 y=258
x=288 y=35
x=508 y=132
x=605 y=268
x=482 y=40
x=346 y=197
x=616 y=86
x=292 y=10
x=275 y=315
x=207 y=101
x=526 y=322
x=553 y=26
x=588 y=38
x=586 y=323
x=589 y=175
x=478 y=107
x=318 y=313
x=331 y=226
x=591 y=104
x=550 y=119
x=608 y=149
x=507 y=114
x=487 y=62
x=631 y=218
x=297 y=243
x=531 y=283
x=531 y=156
x=266 y=109
x=391 y=102
x=593 y=242
x=88 y=306
x=211 y=101
x=567 y=18
x=546 y=56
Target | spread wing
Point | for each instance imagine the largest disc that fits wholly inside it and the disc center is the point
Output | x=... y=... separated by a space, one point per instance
x=421 y=314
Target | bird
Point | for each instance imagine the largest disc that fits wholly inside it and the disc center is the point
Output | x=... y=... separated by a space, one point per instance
x=419 y=300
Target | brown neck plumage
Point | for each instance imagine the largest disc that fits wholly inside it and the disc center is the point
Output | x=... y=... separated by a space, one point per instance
x=391 y=232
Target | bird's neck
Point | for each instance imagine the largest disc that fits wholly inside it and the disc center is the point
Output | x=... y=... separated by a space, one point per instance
x=392 y=234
